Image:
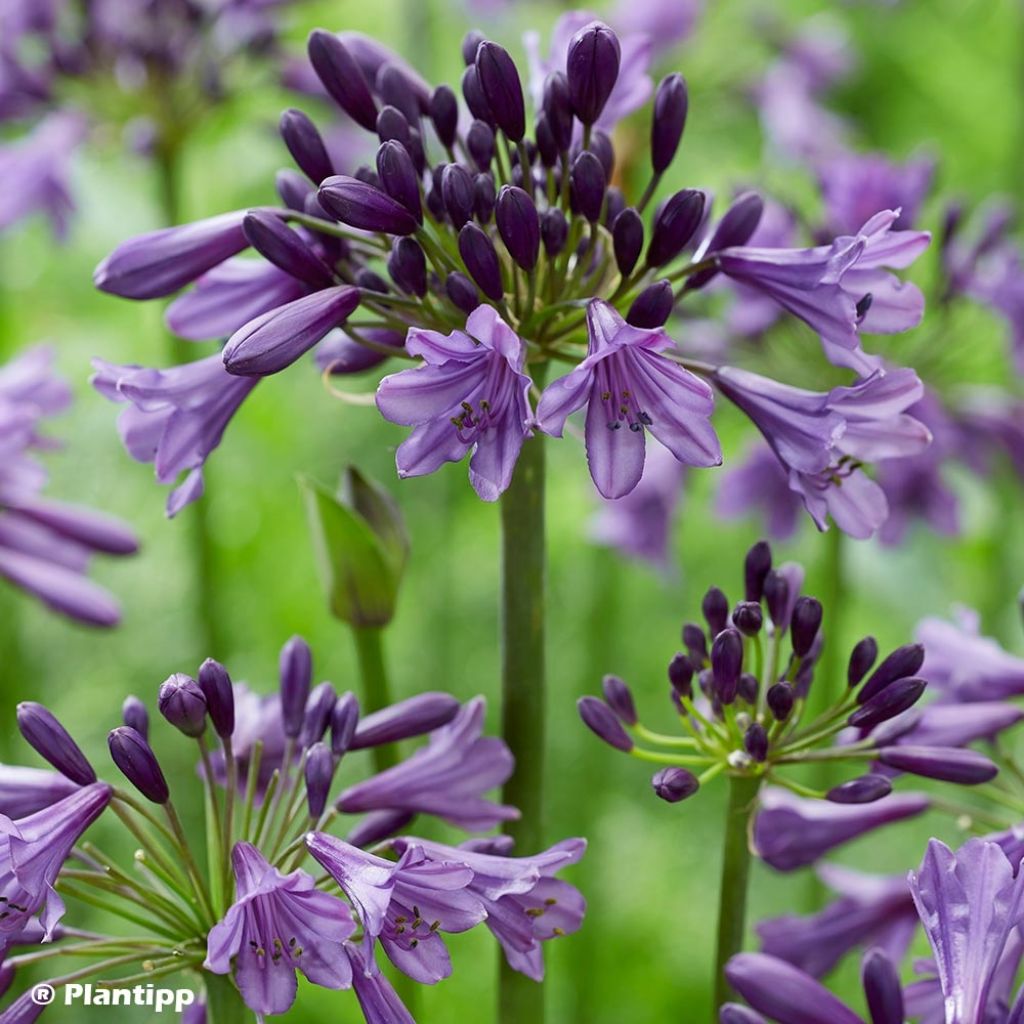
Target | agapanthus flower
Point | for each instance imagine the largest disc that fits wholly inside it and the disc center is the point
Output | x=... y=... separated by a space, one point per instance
x=481 y=241
x=760 y=483
x=256 y=911
x=46 y=545
x=24 y=791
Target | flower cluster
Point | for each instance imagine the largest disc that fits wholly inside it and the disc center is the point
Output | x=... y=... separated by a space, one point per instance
x=256 y=915
x=489 y=248
x=46 y=545
x=741 y=691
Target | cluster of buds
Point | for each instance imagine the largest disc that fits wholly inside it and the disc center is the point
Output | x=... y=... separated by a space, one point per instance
x=741 y=687
x=238 y=902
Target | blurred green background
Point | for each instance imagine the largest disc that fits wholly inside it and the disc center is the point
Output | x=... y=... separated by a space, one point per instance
x=945 y=74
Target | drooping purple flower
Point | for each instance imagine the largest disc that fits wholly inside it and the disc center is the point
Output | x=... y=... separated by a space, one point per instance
x=872 y=910
x=379 y=1002
x=952 y=725
x=639 y=525
x=448 y=777
x=32 y=851
x=791 y=832
x=279 y=924
x=969 y=902
x=176 y=417
x=24 y=791
x=469 y=396
x=629 y=386
x=526 y=904
x=404 y=904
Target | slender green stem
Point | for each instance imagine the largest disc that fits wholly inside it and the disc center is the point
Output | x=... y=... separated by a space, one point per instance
x=223 y=1001
x=521 y=1001
x=732 y=898
x=376 y=687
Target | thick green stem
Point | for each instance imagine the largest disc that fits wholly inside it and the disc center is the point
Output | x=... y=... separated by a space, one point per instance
x=521 y=1001
x=376 y=688
x=732 y=898
x=223 y=1002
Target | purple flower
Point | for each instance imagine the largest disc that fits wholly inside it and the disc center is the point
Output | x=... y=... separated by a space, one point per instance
x=998 y=281
x=872 y=910
x=176 y=417
x=279 y=924
x=525 y=904
x=470 y=396
x=24 y=791
x=760 y=483
x=32 y=851
x=952 y=725
x=822 y=439
x=665 y=24
x=447 y=777
x=827 y=286
x=628 y=387
x=639 y=525
x=35 y=171
x=968 y=902
x=965 y=666
x=377 y=999
x=791 y=832
x=405 y=904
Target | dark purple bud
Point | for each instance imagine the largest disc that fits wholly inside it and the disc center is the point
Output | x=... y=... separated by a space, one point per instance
x=342 y=77
x=344 y=719
x=893 y=700
x=547 y=147
x=749 y=687
x=588 y=184
x=715 y=606
x=480 y=143
x=601 y=146
x=317 y=714
x=592 y=68
x=863 y=790
x=413 y=717
x=755 y=740
x=614 y=204
x=367 y=175
x=470 y=44
x=481 y=260
x=726 y=664
x=674 y=226
x=652 y=307
x=474 y=95
x=371 y=281
x=137 y=762
x=601 y=720
x=947 y=764
x=882 y=988
x=619 y=698
x=293 y=189
x=462 y=292
x=554 y=230
x=499 y=80
x=776 y=596
x=135 y=715
x=362 y=206
x=215 y=683
x=183 y=704
x=904 y=661
x=305 y=145
x=48 y=738
x=407 y=266
x=399 y=179
x=696 y=642
x=747 y=618
x=680 y=674
x=780 y=700
x=285 y=249
x=671 y=103
x=392 y=125
x=756 y=566
x=319 y=775
x=484 y=197
x=296 y=673
x=805 y=624
x=558 y=109
x=673 y=784
x=395 y=89
x=738 y=223
x=518 y=225
x=457 y=191
x=444 y=112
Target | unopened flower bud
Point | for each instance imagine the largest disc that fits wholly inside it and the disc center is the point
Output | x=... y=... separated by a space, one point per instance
x=48 y=738
x=395 y=89
x=183 y=704
x=558 y=109
x=601 y=720
x=736 y=227
x=602 y=147
x=673 y=784
x=680 y=674
x=484 y=197
x=317 y=716
x=399 y=179
x=407 y=266
x=726 y=664
x=715 y=607
x=444 y=113
x=748 y=618
x=652 y=307
x=476 y=99
x=470 y=44
x=756 y=566
x=344 y=720
x=283 y=247
x=904 y=661
x=883 y=990
x=780 y=700
x=499 y=80
x=749 y=687
x=342 y=77
x=619 y=698
x=592 y=69
x=776 y=596
x=215 y=683
x=319 y=775
x=554 y=231
x=135 y=715
x=457 y=190
x=360 y=205
x=806 y=622
x=695 y=642
x=627 y=240
x=588 y=185
x=481 y=260
x=296 y=674
x=137 y=762
x=518 y=225
x=305 y=144
x=755 y=740
x=462 y=292
x=674 y=225
x=863 y=790
x=888 y=703
x=671 y=103
x=480 y=143
x=412 y=717
x=947 y=764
